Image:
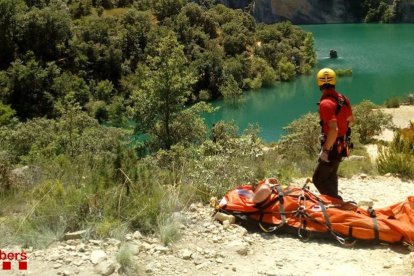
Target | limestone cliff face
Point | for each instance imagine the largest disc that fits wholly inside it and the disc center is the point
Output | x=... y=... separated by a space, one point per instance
x=313 y=12
x=236 y=4
x=304 y=11
x=406 y=10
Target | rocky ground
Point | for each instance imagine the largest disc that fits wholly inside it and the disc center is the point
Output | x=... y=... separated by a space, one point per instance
x=401 y=118
x=208 y=247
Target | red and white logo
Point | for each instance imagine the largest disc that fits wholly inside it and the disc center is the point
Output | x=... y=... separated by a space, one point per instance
x=9 y=258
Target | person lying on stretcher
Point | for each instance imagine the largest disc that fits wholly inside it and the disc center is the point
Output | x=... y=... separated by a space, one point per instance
x=262 y=192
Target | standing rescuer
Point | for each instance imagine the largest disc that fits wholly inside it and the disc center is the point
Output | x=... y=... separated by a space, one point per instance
x=336 y=115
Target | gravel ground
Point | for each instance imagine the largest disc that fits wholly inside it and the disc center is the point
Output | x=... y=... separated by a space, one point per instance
x=209 y=248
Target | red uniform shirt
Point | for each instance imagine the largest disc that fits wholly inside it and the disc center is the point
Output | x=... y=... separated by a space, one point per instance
x=328 y=108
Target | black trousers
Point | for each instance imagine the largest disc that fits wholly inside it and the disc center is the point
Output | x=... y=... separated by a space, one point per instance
x=325 y=177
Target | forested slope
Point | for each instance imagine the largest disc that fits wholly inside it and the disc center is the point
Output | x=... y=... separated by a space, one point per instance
x=101 y=107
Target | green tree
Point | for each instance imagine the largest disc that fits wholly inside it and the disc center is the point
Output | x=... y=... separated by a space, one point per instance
x=167 y=8
x=165 y=87
x=79 y=8
x=6 y=114
x=137 y=26
x=117 y=113
x=30 y=89
x=96 y=49
x=391 y=13
x=209 y=65
x=195 y=28
x=308 y=52
x=205 y=3
x=282 y=45
x=10 y=11
x=261 y=70
x=302 y=135
x=45 y=31
x=286 y=69
x=104 y=90
x=222 y=132
x=189 y=126
x=33 y=135
x=237 y=38
x=229 y=88
x=37 y=3
x=236 y=67
x=68 y=83
x=74 y=134
x=198 y=17
x=380 y=10
x=142 y=5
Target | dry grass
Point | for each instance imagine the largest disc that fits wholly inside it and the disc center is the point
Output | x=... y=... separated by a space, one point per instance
x=117 y=12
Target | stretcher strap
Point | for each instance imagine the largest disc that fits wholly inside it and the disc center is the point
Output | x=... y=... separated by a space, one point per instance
x=375 y=225
x=281 y=203
x=325 y=215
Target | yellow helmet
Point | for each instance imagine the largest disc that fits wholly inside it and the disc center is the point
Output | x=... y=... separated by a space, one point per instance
x=326 y=76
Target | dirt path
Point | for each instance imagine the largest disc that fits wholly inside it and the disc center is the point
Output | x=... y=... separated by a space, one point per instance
x=401 y=118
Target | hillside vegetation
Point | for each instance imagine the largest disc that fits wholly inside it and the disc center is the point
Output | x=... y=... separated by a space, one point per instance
x=101 y=106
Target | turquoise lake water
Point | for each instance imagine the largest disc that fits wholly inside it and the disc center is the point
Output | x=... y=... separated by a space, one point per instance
x=380 y=55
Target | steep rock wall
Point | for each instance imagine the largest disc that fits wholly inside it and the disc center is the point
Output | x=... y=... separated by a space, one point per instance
x=406 y=10
x=236 y=4
x=313 y=12
x=300 y=11
x=303 y=11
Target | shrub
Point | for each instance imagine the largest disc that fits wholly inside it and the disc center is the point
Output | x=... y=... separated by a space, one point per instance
x=343 y=72
x=204 y=95
x=104 y=203
x=221 y=163
x=300 y=145
x=392 y=102
x=351 y=167
x=126 y=261
x=253 y=84
x=398 y=157
x=55 y=205
x=302 y=135
x=6 y=114
x=230 y=88
x=169 y=230
x=409 y=99
x=369 y=121
x=109 y=227
x=30 y=234
x=223 y=132
x=286 y=70
x=5 y=179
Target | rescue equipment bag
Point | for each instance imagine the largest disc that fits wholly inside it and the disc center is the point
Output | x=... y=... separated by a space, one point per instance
x=306 y=212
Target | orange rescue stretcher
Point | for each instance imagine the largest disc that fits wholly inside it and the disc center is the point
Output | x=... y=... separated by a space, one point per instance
x=301 y=209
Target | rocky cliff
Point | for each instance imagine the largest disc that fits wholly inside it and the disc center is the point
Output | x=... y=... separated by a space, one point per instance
x=236 y=4
x=303 y=11
x=313 y=12
x=406 y=10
